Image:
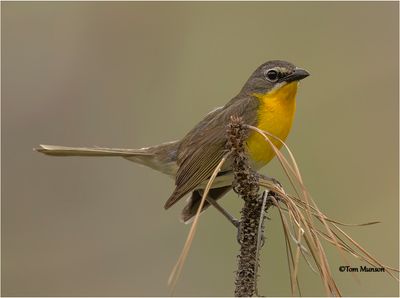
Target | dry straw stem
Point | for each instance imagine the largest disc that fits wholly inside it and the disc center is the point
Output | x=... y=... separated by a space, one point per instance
x=300 y=217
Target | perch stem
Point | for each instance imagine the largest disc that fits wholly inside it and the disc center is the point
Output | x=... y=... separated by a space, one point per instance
x=253 y=214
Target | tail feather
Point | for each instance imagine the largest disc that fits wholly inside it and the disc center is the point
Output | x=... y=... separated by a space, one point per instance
x=96 y=151
x=161 y=157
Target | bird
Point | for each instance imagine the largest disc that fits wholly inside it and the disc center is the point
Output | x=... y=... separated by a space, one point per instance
x=267 y=101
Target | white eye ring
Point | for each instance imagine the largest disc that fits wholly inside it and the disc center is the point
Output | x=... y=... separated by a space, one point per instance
x=272 y=75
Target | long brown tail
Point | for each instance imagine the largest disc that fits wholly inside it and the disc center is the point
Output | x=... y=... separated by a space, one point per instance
x=96 y=151
x=161 y=157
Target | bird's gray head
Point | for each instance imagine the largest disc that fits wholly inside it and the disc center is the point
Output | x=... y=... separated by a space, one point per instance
x=272 y=74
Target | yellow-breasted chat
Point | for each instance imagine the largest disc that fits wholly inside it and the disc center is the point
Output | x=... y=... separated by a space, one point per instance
x=267 y=101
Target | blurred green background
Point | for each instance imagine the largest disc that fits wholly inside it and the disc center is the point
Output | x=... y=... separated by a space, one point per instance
x=134 y=74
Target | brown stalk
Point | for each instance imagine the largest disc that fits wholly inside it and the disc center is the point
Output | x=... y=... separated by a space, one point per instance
x=253 y=213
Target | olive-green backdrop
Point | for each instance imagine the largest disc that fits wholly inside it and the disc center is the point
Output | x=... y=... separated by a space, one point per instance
x=132 y=74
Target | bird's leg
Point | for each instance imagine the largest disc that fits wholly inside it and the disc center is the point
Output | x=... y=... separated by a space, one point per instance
x=231 y=218
x=225 y=213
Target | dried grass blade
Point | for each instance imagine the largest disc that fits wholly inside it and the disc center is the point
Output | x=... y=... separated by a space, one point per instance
x=259 y=235
x=176 y=271
x=389 y=269
x=289 y=253
x=315 y=248
x=281 y=158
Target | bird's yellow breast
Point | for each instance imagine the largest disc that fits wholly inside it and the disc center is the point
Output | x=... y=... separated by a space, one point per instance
x=275 y=115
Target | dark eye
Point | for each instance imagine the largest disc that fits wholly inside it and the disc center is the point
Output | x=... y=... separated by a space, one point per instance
x=272 y=75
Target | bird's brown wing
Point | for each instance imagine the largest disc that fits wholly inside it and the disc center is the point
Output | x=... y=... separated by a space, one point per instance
x=203 y=147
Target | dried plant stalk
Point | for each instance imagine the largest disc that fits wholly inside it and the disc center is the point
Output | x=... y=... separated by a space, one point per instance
x=251 y=228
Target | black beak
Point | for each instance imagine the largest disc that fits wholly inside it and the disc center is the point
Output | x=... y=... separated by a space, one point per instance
x=297 y=75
